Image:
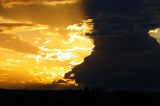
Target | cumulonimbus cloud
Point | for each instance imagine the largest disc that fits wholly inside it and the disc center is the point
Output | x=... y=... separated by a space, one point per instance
x=11 y=3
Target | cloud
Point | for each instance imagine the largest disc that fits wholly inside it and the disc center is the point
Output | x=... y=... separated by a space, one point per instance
x=9 y=40
x=155 y=33
x=14 y=42
x=9 y=25
x=11 y=3
x=114 y=69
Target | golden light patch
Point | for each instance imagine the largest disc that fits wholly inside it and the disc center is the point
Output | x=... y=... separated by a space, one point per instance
x=58 y=51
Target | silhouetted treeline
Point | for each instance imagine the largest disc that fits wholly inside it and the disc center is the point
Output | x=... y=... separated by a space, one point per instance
x=77 y=97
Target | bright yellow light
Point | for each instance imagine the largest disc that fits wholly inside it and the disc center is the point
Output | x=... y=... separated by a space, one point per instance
x=11 y=3
x=58 y=53
x=155 y=33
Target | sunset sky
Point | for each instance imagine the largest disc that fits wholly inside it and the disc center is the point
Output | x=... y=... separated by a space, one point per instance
x=56 y=44
x=41 y=41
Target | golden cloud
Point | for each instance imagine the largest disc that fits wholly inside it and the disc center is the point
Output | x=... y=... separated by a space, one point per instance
x=32 y=54
x=43 y=57
x=13 y=42
x=10 y=41
x=9 y=25
x=155 y=33
x=11 y=3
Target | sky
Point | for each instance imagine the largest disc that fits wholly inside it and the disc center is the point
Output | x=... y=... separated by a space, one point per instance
x=122 y=51
x=41 y=41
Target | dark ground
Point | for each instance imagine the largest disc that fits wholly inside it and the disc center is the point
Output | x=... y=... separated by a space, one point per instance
x=77 y=97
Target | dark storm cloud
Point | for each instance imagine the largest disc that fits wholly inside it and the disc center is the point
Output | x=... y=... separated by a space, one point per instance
x=125 y=56
x=13 y=42
x=118 y=63
x=115 y=6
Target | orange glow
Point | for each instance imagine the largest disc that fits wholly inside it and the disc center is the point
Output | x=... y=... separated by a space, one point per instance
x=59 y=51
x=11 y=3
